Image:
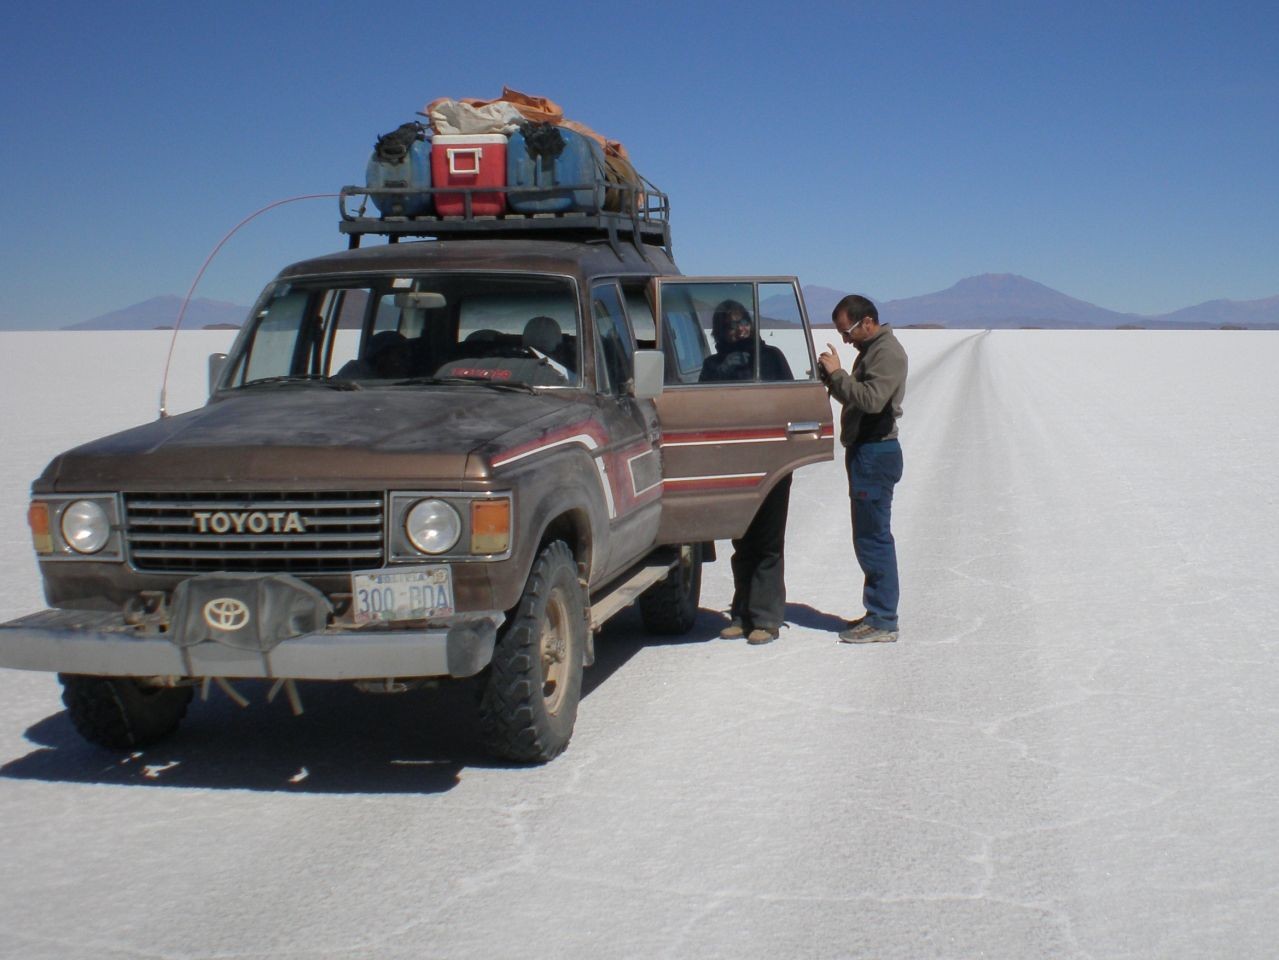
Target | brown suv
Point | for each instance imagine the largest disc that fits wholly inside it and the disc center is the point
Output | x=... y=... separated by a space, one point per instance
x=443 y=458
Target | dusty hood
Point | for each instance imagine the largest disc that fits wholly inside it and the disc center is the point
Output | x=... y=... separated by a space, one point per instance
x=311 y=434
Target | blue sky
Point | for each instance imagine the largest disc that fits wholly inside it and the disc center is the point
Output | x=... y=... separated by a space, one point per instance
x=1128 y=155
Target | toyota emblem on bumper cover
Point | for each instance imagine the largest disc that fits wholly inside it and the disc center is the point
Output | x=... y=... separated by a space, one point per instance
x=226 y=613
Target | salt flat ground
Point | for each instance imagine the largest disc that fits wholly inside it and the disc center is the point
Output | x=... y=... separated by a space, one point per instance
x=1071 y=753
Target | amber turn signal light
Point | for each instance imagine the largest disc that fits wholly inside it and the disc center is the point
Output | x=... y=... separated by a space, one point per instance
x=38 y=521
x=490 y=526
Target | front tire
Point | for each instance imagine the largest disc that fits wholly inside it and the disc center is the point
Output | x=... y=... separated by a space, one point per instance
x=119 y=713
x=529 y=703
x=669 y=607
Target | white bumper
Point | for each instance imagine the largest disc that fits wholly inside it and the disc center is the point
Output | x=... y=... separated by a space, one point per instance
x=102 y=644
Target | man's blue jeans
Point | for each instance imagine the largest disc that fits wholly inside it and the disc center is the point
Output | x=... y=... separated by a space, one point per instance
x=873 y=471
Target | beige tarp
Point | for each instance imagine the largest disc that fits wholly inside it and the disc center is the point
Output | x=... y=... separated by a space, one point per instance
x=469 y=115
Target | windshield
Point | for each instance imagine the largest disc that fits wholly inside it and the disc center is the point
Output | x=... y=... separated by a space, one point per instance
x=400 y=330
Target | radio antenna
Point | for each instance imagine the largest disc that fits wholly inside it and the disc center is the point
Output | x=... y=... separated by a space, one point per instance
x=177 y=325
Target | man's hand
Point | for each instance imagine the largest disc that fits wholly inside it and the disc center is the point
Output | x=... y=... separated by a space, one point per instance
x=829 y=360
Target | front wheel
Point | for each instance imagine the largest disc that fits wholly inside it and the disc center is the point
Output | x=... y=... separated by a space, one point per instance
x=529 y=703
x=669 y=607
x=120 y=713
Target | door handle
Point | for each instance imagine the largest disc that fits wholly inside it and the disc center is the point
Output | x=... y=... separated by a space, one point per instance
x=803 y=426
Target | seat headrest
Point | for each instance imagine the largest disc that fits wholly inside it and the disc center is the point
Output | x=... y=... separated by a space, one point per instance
x=543 y=334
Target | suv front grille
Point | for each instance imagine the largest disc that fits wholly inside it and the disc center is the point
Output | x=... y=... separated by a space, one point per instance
x=302 y=533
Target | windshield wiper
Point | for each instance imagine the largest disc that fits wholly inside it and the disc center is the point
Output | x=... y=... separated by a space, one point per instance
x=305 y=378
x=517 y=385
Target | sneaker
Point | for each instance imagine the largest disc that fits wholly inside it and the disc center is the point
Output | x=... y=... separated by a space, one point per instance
x=734 y=631
x=856 y=623
x=867 y=633
x=759 y=635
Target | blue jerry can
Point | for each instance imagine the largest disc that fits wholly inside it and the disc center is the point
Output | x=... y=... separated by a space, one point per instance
x=413 y=170
x=579 y=164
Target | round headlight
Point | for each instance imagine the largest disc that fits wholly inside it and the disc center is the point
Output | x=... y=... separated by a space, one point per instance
x=85 y=526
x=433 y=526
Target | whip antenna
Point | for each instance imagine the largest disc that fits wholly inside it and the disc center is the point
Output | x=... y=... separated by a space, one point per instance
x=168 y=360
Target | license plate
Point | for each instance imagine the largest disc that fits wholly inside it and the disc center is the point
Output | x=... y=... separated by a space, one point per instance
x=408 y=593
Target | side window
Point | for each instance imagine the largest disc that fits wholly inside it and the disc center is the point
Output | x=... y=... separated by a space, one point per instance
x=353 y=349
x=640 y=312
x=614 y=348
x=344 y=335
x=279 y=346
x=739 y=331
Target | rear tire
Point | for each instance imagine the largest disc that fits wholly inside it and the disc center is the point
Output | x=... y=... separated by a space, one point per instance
x=119 y=713
x=669 y=607
x=529 y=703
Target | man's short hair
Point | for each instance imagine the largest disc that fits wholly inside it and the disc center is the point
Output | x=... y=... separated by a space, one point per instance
x=855 y=306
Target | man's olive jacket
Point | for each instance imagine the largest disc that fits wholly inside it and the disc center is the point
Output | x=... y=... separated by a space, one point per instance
x=872 y=394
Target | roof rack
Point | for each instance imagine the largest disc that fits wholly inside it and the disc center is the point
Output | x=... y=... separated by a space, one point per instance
x=620 y=212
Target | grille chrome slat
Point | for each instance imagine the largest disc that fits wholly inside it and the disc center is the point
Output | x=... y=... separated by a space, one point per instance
x=254 y=554
x=247 y=538
x=183 y=525
x=341 y=532
x=242 y=504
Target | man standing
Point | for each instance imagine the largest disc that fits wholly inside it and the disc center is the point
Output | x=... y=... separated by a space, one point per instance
x=871 y=396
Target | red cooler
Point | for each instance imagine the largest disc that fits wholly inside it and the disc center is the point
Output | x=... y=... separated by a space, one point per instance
x=475 y=160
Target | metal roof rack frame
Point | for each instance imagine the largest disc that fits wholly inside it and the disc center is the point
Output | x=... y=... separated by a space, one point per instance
x=622 y=212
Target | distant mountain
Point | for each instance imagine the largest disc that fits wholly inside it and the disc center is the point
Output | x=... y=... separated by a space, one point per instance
x=820 y=301
x=780 y=311
x=1005 y=300
x=1256 y=314
x=1000 y=300
x=160 y=313
x=988 y=301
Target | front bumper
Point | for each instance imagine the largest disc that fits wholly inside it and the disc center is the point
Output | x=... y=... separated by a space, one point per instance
x=102 y=644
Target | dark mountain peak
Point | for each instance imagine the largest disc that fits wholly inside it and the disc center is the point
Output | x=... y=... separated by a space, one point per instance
x=999 y=284
x=999 y=300
x=162 y=312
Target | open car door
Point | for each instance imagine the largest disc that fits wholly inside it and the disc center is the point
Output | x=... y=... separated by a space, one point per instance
x=742 y=405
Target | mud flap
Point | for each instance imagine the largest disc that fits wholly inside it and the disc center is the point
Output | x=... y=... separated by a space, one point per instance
x=470 y=647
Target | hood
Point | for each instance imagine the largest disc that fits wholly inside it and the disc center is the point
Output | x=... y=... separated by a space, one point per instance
x=295 y=434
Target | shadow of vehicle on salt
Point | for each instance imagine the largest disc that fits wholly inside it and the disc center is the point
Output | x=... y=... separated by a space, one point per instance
x=622 y=637
x=345 y=741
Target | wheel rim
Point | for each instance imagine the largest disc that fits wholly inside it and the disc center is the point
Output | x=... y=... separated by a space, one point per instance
x=553 y=645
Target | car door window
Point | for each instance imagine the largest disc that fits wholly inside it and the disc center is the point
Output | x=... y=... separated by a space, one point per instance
x=733 y=331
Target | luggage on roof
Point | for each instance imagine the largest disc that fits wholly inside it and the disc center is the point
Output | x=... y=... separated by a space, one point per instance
x=401 y=160
x=509 y=165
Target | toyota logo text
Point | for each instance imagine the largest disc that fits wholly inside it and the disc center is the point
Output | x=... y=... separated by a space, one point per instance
x=248 y=521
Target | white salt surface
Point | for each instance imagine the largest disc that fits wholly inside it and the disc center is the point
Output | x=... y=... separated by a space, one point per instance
x=1071 y=753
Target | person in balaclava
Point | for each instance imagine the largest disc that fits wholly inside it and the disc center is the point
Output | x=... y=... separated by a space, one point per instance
x=735 y=346
x=759 y=584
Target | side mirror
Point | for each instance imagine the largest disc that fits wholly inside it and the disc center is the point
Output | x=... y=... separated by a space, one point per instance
x=650 y=370
x=217 y=362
